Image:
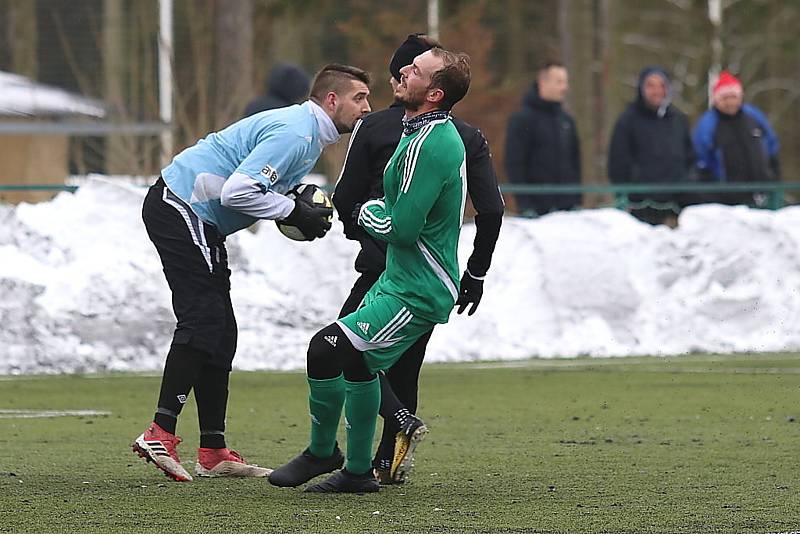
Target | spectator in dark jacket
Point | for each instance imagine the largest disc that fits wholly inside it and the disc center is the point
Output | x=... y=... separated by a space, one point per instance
x=651 y=143
x=542 y=144
x=285 y=85
x=734 y=142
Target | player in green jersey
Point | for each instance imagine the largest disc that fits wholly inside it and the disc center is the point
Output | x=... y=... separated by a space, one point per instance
x=420 y=218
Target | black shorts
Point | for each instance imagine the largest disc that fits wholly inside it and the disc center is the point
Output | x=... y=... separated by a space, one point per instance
x=196 y=266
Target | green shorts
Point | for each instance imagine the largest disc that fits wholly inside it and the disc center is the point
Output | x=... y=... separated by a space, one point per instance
x=383 y=328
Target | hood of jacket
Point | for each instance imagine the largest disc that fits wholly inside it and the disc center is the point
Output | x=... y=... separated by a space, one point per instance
x=640 y=101
x=289 y=83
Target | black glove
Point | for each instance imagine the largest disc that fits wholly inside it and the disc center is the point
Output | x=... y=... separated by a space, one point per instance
x=312 y=221
x=470 y=293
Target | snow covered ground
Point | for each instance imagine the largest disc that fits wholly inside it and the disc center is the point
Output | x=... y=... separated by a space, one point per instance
x=83 y=290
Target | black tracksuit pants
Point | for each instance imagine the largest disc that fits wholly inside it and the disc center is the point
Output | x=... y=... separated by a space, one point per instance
x=196 y=267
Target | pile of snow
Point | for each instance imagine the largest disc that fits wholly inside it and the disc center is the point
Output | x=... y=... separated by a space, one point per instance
x=83 y=289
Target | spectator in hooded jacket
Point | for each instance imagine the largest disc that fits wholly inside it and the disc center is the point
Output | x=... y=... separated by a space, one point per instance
x=542 y=144
x=286 y=84
x=734 y=142
x=651 y=144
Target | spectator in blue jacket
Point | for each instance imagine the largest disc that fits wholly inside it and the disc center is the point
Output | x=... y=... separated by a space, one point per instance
x=734 y=142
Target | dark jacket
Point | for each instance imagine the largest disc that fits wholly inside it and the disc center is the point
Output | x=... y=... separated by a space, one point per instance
x=286 y=85
x=650 y=145
x=542 y=148
x=372 y=144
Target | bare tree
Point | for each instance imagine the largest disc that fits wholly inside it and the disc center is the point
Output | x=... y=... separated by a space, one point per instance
x=600 y=81
x=585 y=33
x=233 y=34
x=116 y=148
x=22 y=37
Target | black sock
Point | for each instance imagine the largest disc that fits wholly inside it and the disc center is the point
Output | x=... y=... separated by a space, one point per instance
x=211 y=394
x=384 y=453
x=394 y=415
x=391 y=426
x=401 y=417
x=180 y=373
x=392 y=410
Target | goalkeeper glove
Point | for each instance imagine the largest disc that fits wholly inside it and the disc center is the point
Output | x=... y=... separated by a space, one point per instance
x=312 y=221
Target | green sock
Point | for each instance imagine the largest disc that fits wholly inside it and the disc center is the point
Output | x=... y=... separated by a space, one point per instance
x=361 y=412
x=325 y=401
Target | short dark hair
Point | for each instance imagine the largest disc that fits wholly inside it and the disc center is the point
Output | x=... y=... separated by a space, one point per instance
x=549 y=64
x=335 y=78
x=453 y=78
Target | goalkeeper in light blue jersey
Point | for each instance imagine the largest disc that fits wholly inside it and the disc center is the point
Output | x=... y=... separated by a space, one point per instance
x=238 y=175
x=224 y=183
x=420 y=219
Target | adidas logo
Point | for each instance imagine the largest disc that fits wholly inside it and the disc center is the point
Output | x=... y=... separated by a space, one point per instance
x=364 y=327
x=182 y=399
x=332 y=340
x=156 y=447
x=314 y=419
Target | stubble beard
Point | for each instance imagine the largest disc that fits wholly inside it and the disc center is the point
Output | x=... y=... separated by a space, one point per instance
x=341 y=126
x=412 y=102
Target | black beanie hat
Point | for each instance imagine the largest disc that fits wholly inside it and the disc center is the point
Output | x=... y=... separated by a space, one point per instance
x=411 y=48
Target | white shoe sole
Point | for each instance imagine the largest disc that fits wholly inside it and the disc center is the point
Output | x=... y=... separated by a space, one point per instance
x=231 y=469
x=154 y=451
x=400 y=473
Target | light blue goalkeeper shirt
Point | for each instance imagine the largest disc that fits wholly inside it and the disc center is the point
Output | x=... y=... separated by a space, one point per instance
x=238 y=175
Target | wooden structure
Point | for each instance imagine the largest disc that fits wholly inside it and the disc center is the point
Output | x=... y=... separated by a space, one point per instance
x=34 y=134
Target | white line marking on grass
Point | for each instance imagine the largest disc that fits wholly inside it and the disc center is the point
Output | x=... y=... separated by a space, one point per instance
x=11 y=378
x=31 y=414
x=729 y=370
x=636 y=367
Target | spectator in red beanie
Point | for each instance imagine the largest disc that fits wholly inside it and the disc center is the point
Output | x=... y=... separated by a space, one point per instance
x=734 y=142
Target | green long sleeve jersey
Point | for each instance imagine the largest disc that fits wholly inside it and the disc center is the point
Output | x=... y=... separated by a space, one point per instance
x=420 y=217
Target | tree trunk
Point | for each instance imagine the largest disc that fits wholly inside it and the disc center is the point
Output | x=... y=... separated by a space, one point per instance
x=515 y=65
x=233 y=34
x=584 y=30
x=564 y=33
x=22 y=37
x=600 y=33
x=117 y=160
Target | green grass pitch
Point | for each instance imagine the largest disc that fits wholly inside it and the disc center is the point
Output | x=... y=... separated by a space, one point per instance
x=675 y=445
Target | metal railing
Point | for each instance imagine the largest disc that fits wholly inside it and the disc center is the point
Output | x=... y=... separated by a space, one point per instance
x=38 y=187
x=82 y=128
x=775 y=191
